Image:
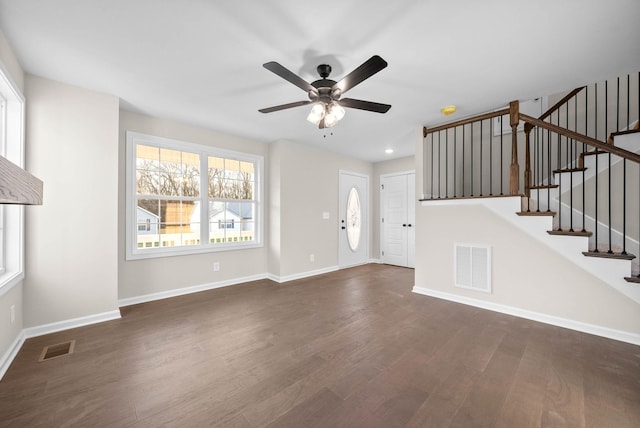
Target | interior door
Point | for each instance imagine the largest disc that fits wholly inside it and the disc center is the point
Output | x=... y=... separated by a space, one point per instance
x=353 y=227
x=393 y=193
x=397 y=223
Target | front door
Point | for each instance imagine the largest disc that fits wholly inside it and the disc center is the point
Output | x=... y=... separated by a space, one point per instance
x=353 y=218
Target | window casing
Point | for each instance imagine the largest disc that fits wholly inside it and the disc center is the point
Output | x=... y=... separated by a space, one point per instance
x=11 y=216
x=173 y=185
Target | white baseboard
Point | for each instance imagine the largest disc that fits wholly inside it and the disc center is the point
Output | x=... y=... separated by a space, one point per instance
x=376 y=261
x=622 y=336
x=286 y=278
x=11 y=353
x=188 y=290
x=71 y=323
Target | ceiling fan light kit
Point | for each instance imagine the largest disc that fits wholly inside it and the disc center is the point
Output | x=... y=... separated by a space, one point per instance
x=325 y=94
x=331 y=114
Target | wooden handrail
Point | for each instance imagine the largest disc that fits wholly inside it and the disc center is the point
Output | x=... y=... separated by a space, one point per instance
x=560 y=103
x=634 y=157
x=426 y=131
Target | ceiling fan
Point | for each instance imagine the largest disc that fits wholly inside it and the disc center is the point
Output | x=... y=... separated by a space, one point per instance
x=325 y=94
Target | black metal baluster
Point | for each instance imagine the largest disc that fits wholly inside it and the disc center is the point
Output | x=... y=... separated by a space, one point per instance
x=439 y=162
x=573 y=164
x=584 y=150
x=455 y=161
x=501 y=156
x=548 y=170
x=596 y=250
x=628 y=102
x=471 y=132
x=463 y=168
x=624 y=206
x=446 y=164
x=618 y=106
x=559 y=169
x=490 y=157
x=606 y=136
x=432 y=168
x=481 y=155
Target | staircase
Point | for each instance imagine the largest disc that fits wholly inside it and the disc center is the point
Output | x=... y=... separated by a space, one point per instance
x=580 y=182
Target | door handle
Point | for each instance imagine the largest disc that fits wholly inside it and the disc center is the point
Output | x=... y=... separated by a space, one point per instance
x=343 y=228
x=409 y=224
x=404 y=225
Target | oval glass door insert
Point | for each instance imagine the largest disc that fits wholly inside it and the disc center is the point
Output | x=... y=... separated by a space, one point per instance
x=354 y=215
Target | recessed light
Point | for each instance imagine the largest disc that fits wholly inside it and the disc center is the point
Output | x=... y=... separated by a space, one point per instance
x=388 y=151
x=447 y=110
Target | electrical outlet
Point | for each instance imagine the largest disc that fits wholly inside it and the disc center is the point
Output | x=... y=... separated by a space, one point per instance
x=312 y=258
x=216 y=266
x=12 y=311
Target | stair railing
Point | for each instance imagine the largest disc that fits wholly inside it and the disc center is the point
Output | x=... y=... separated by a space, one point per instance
x=573 y=167
x=466 y=158
x=575 y=170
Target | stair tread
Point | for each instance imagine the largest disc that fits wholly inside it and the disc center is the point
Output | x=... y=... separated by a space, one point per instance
x=594 y=152
x=545 y=186
x=557 y=171
x=569 y=233
x=608 y=255
x=536 y=213
x=635 y=279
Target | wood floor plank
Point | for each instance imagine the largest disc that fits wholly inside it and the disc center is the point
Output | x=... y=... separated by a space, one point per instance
x=484 y=401
x=446 y=398
x=351 y=348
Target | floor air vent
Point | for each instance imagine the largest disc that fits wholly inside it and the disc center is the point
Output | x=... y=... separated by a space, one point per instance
x=59 y=350
x=473 y=267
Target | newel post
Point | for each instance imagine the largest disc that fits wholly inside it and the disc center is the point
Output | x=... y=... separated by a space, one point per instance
x=527 y=160
x=514 y=173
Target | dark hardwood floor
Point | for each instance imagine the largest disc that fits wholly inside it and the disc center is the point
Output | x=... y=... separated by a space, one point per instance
x=353 y=348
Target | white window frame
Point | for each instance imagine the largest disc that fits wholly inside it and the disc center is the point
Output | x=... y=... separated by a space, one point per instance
x=132 y=250
x=12 y=145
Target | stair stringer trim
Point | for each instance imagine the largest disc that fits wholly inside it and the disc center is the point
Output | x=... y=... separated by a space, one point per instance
x=610 y=271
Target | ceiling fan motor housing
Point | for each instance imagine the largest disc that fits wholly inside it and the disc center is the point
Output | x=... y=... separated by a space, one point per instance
x=324 y=70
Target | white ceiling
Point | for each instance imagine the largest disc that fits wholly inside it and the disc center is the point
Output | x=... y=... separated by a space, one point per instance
x=200 y=61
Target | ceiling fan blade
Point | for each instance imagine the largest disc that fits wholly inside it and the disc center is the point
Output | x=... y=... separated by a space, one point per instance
x=364 y=105
x=289 y=76
x=364 y=71
x=284 y=106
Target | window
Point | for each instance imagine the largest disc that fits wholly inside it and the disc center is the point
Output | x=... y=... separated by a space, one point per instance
x=12 y=148
x=184 y=198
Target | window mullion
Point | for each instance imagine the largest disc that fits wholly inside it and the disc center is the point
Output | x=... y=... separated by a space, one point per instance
x=204 y=199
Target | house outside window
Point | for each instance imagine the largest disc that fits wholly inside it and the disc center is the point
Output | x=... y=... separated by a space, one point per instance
x=173 y=185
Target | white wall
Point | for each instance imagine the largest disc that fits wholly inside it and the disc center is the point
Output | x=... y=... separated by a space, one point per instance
x=13 y=297
x=143 y=277
x=308 y=180
x=381 y=168
x=525 y=273
x=71 y=240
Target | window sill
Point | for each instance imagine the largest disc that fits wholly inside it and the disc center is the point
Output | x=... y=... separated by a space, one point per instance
x=187 y=251
x=8 y=280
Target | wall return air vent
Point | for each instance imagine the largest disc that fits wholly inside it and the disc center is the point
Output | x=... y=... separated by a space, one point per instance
x=472 y=267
